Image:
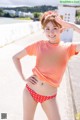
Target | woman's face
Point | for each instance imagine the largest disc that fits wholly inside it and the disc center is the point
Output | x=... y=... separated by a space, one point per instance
x=52 y=32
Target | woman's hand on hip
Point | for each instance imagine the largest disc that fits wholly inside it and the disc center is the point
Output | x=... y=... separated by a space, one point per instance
x=32 y=79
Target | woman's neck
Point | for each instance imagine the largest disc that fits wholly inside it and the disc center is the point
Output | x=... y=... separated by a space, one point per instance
x=53 y=42
x=57 y=41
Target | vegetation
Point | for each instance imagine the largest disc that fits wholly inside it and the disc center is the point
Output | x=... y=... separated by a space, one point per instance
x=7 y=15
x=36 y=11
x=26 y=18
x=78 y=16
x=1 y=12
x=77 y=12
x=42 y=8
x=37 y=15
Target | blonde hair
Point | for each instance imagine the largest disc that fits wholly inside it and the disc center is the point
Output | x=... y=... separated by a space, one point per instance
x=49 y=16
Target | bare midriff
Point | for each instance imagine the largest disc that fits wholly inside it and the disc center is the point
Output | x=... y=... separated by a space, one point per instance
x=42 y=88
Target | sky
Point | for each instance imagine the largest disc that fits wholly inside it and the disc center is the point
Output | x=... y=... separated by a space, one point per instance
x=14 y=3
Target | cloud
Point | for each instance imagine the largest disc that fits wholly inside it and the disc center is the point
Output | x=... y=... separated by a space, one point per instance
x=5 y=2
x=28 y=2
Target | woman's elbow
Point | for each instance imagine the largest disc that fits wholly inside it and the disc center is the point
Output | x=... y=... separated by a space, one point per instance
x=15 y=58
x=20 y=55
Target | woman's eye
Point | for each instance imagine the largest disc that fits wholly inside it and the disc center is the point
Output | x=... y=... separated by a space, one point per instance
x=47 y=29
x=55 y=28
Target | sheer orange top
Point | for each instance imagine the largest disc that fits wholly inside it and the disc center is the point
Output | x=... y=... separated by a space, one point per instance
x=51 y=60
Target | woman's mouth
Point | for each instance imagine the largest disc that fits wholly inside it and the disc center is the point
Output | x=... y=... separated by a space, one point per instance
x=52 y=37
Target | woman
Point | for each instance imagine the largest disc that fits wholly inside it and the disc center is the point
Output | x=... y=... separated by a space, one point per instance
x=52 y=57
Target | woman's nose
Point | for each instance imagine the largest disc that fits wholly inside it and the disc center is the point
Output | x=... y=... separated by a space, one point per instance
x=52 y=33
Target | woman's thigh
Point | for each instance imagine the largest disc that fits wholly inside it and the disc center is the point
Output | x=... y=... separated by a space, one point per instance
x=51 y=109
x=29 y=105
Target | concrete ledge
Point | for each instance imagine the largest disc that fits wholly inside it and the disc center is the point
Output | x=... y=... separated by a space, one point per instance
x=15 y=31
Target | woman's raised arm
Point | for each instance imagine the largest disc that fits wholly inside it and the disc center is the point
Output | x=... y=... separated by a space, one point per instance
x=67 y=25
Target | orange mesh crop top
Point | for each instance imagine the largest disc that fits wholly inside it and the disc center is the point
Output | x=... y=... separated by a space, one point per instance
x=51 y=60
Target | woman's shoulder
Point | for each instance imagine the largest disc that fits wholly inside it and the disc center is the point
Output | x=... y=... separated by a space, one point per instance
x=62 y=43
x=65 y=45
x=41 y=42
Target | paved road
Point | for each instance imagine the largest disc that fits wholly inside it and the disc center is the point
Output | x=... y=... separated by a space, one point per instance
x=5 y=20
x=11 y=84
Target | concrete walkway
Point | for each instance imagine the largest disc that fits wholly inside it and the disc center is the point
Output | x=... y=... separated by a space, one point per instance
x=11 y=84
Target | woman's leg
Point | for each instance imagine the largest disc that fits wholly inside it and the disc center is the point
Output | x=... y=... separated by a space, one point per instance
x=29 y=105
x=51 y=109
